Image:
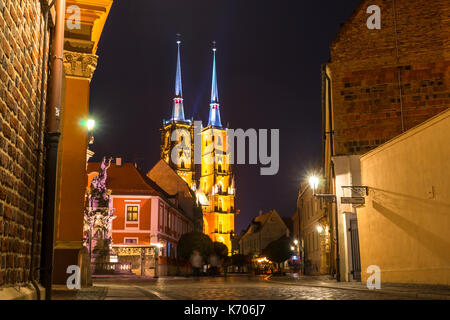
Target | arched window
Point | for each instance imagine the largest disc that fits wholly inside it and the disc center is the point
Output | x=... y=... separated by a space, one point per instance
x=220 y=227
x=220 y=204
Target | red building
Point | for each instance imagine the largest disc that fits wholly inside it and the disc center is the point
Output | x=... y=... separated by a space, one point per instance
x=145 y=213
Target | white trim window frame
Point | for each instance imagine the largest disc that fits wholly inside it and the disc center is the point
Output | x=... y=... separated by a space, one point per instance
x=138 y=216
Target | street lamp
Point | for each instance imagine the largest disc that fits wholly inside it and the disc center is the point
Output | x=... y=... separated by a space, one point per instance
x=314 y=183
x=319 y=229
x=90 y=124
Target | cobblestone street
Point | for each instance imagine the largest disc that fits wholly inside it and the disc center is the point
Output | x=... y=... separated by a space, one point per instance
x=235 y=288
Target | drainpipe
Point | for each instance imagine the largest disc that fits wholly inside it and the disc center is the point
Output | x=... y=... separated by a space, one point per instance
x=336 y=227
x=331 y=132
x=39 y=150
x=52 y=141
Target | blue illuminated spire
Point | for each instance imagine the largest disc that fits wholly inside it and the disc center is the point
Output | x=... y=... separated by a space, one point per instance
x=214 y=112
x=178 y=110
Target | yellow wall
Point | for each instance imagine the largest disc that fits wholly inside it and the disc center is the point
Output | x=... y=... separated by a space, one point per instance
x=216 y=170
x=73 y=160
x=188 y=172
x=404 y=225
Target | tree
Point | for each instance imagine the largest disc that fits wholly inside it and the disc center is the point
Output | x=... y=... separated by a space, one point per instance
x=194 y=241
x=279 y=250
x=239 y=260
x=220 y=249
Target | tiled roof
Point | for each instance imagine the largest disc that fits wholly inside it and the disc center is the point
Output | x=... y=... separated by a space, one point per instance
x=128 y=180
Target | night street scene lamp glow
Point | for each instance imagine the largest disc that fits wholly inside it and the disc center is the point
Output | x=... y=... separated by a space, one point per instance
x=314 y=182
x=319 y=229
x=90 y=124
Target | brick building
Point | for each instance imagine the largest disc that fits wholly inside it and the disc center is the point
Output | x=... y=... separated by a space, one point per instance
x=40 y=129
x=378 y=84
x=22 y=32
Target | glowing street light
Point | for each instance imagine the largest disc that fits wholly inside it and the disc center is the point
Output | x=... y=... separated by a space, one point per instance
x=90 y=124
x=296 y=242
x=314 y=183
x=319 y=228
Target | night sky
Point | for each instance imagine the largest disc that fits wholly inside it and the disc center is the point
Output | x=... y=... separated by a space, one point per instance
x=269 y=56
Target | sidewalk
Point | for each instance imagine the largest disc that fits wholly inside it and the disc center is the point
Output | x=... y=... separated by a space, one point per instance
x=420 y=291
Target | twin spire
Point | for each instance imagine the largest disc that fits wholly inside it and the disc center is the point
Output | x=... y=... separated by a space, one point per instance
x=178 y=110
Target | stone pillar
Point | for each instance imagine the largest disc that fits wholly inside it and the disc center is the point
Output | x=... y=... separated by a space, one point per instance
x=80 y=62
x=69 y=249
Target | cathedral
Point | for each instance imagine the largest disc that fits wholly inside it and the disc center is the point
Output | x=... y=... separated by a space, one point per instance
x=214 y=185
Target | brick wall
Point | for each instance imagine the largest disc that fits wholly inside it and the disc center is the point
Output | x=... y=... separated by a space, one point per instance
x=21 y=39
x=365 y=72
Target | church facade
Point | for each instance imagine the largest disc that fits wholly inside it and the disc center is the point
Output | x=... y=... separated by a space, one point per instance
x=214 y=184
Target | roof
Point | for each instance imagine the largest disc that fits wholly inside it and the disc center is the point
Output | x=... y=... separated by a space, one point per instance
x=258 y=222
x=167 y=178
x=128 y=180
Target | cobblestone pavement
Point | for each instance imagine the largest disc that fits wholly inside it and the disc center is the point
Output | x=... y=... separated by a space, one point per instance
x=91 y=293
x=243 y=288
x=235 y=288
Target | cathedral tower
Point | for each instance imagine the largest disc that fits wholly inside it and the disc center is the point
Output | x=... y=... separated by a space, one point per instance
x=216 y=189
x=179 y=131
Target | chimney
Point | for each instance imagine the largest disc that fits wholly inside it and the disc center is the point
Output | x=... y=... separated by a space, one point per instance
x=118 y=162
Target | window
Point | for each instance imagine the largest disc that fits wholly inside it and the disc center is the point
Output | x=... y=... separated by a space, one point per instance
x=169 y=225
x=132 y=213
x=130 y=240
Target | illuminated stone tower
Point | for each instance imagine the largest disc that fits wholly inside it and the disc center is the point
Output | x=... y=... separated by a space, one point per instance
x=216 y=190
x=172 y=136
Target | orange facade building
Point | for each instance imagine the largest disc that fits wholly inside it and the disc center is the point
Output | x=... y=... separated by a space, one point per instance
x=145 y=213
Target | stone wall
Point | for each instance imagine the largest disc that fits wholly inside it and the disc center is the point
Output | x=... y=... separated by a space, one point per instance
x=21 y=39
x=367 y=66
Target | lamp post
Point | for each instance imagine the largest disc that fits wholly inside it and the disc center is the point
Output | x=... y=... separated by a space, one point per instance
x=314 y=183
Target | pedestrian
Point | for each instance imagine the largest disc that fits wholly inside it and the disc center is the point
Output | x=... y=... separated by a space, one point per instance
x=214 y=262
x=196 y=263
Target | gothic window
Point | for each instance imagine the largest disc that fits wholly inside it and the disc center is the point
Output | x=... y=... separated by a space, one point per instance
x=182 y=164
x=220 y=204
x=219 y=168
x=219 y=141
x=132 y=213
x=220 y=227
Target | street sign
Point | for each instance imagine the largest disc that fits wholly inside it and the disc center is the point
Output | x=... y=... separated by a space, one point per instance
x=353 y=200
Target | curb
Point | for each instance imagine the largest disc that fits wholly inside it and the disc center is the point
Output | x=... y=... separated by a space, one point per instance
x=427 y=296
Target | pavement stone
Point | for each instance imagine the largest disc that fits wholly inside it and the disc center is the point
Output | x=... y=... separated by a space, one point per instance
x=244 y=287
